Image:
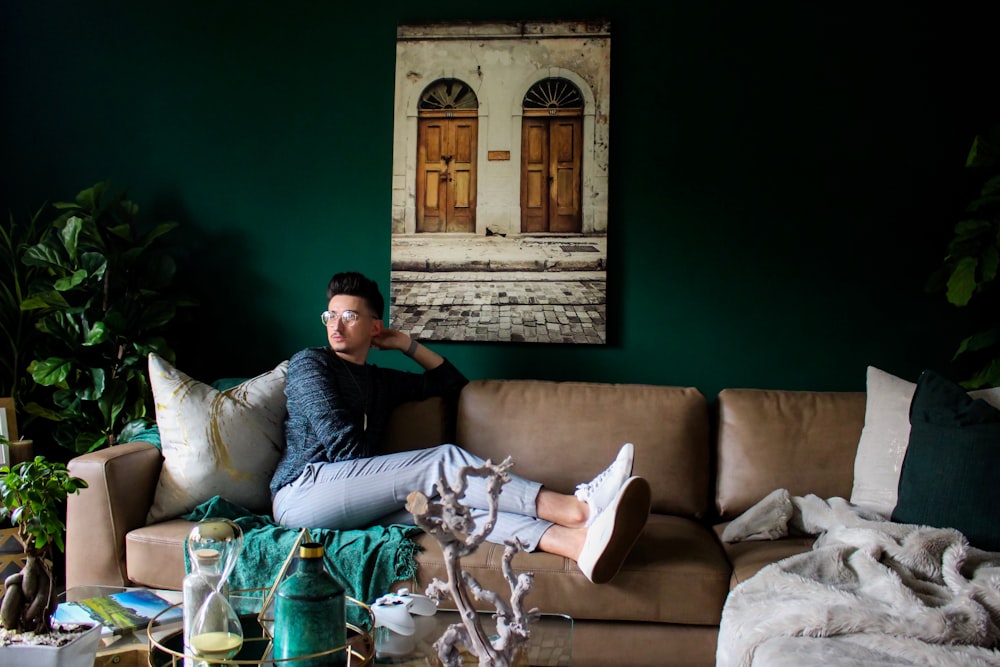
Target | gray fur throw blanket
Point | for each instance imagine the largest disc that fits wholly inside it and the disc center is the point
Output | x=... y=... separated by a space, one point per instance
x=871 y=592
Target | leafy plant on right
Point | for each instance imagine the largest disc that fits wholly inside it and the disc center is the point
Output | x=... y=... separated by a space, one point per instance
x=969 y=272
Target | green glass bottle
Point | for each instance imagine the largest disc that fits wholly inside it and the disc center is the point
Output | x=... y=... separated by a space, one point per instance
x=309 y=613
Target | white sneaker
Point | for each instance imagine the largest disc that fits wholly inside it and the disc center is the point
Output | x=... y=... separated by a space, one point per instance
x=615 y=532
x=599 y=492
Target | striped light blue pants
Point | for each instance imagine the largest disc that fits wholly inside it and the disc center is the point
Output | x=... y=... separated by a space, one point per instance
x=366 y=492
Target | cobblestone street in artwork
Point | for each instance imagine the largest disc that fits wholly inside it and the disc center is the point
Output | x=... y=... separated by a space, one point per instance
x=537 y=290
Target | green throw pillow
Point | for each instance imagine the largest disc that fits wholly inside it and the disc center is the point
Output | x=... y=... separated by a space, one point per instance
x=951 y=472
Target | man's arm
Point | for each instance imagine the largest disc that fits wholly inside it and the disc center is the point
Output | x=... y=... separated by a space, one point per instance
x=393 y=339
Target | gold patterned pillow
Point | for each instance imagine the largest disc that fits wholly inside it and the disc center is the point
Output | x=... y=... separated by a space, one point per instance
x=216 y=443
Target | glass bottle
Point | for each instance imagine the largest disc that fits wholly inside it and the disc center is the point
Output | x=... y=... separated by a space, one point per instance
x=309 y=613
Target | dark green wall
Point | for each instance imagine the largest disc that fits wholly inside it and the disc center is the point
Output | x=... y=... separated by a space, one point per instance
x=783 y=181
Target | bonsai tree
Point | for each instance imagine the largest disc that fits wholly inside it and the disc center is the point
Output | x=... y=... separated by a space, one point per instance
x=32 y=493
x=101 y=300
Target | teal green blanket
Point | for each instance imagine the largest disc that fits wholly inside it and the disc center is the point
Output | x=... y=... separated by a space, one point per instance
x=366 y=562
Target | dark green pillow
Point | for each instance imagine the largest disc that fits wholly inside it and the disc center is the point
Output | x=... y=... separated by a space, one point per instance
x=951 y=471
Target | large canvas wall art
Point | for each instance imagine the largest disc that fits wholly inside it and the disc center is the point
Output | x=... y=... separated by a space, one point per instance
x=500 y=181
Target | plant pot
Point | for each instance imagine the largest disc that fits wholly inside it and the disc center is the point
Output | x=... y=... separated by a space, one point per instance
x=20 y=451
x=81 y=652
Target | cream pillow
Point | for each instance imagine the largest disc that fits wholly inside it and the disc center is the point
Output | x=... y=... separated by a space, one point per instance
x=216 y=443
x=884 y=439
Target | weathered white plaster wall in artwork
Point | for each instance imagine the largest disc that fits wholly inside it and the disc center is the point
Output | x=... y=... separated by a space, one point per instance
x=500 y=62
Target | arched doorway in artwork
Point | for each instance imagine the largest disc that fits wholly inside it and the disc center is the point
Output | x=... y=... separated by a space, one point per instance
x=552 y=157
x=447 y=132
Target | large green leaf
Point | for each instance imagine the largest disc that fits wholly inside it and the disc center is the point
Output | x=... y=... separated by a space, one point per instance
x=61 y=325
x=979 y=341
x=98 y=334
x=94 y=389
x=95 y=263
x=69 y=282
x=70 y=402
x=51 y=371
x=112 y=402
x=46 y=300
x=987 y=376
x=70 y=236
x=88 y=198
x=971 y=228
x=89 y=442
x=37 y=410
x=962 y=282
x=45 y=256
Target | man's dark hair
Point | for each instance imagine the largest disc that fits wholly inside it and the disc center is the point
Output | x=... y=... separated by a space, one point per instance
x=353 y=283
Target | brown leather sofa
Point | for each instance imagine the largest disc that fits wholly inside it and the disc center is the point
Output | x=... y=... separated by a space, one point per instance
x=707 y=462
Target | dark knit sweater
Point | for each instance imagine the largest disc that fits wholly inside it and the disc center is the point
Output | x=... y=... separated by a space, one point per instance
x=328 y=399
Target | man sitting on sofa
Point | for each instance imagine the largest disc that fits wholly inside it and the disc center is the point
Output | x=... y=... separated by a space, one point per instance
x=331 y=474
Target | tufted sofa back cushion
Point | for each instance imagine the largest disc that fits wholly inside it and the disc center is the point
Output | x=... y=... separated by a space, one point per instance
x=803 y=441
x=564 y=433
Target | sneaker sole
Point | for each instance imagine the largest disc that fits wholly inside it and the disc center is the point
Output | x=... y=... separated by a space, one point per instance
x=631 y=515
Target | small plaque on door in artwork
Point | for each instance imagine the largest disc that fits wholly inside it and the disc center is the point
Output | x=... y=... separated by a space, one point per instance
x=498 y=155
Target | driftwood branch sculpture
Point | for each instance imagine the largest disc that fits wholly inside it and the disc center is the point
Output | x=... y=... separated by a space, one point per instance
x=452 y=525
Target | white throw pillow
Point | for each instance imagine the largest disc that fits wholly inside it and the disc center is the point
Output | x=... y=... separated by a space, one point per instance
x=884 y=439
x=216 y=443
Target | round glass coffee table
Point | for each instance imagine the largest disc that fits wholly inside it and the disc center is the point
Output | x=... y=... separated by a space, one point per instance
x=256 y=650
x=549 y=645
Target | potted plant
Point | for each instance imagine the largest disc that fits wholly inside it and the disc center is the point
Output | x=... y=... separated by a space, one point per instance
x=31 y=494
x=101 y=300
x=18 y=334
x=972 y=264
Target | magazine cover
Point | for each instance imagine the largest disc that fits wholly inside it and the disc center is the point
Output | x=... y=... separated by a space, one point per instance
x=118 y=612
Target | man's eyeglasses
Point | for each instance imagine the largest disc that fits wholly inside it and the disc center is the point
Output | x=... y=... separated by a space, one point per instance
x=348 y=317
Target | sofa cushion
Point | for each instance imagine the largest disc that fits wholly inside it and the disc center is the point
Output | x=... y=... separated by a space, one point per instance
x=749 y=558
x=949 y=476
x=216 y=442
x=802 y=441
x=676 y=573
x=885 y=437
x=565 y=433
x=154 y=554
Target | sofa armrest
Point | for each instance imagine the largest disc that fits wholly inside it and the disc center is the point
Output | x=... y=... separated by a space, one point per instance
x=121 y=482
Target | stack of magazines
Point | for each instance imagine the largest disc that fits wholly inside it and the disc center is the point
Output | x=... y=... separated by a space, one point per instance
x=119 y=613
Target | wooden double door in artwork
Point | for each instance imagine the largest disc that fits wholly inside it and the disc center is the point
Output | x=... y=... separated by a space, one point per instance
x=550 y=180
x=446 y=171
x=550 y=173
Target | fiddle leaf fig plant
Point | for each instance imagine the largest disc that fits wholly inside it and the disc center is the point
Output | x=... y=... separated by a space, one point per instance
x=17 y=327
x=102 y=301
x=32 y=493
x=969 y=273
